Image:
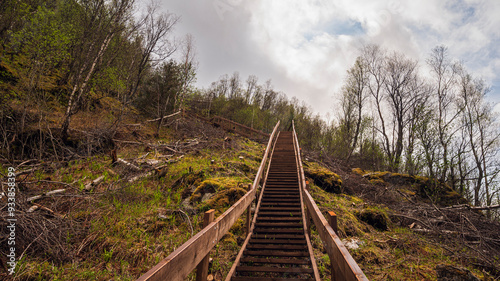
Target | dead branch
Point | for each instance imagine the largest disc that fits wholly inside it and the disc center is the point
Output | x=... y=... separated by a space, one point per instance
x=94 y=183
x=130 y=142
x=167 y=116
x=128 y=164
x=47 y=181
x=47 y=194
x=412 y=218
x=141 y=176
x=469 y=207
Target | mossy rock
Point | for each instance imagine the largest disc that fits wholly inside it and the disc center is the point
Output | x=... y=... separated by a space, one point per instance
x=188 y=179
x=207 y=186
x=359 y=171
x=426 y=188
x=440 y=192
x=375 y=217
x=377 y=181
x=448 y=272
x=224 y=199
x=324 y=178
x=350 y=225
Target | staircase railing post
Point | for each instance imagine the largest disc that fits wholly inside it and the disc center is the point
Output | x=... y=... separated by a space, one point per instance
x=308 y=214
x=332 y=220
x=202 y=268
x=249 y=213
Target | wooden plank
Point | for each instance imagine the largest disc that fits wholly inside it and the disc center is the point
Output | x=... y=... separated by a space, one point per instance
x=276 y=247
x=183 y=260
x=275 y=261
x=273 y=269
x=278 y=236
x=268 y=253
x=248 y=278
x=276 y=241
x=306 y=223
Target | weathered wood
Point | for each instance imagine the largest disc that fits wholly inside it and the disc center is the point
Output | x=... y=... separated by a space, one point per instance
x=332 y=219
x=202 y=269
x=477 y=208
x=94 y=183
x=344 y=266
x=182 y=261
x=167 y=116
x=36 y=197
x=344 y=263
x=128 y=164
x=305 y=216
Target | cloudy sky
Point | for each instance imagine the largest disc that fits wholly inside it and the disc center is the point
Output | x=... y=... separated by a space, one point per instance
x=306 y=46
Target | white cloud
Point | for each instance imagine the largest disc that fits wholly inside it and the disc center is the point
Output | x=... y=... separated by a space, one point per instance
x=306 y=46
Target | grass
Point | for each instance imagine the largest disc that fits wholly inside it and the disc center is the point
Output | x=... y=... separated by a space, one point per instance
x=397 y=253
x=127 y=234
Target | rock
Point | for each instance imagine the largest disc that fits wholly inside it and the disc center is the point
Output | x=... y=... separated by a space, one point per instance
x=451 y=273
x=186 y=202
x=353 y=243
x=206 y=196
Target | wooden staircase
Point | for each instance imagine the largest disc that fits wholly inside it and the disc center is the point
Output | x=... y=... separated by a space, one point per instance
x=278 y=247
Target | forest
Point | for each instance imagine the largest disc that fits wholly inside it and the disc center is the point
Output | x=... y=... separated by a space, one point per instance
x=113 y=173
x=65 y=58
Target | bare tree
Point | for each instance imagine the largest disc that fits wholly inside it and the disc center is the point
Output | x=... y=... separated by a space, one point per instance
x=234 y=85
x=102 y=21
x=483 y=138
x=188 y=66
x=374 y=58
x=352 y=103
x=251 y=87
x=445 y=81
x=399 y=91
x=153 y=30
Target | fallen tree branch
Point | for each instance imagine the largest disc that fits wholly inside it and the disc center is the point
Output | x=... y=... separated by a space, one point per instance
x=130 y=142
x=141 y=176
x=128 y=164
x=469 y=207
x=412 y=218
x=94 y=183
x=167 y=116
x=36 y=197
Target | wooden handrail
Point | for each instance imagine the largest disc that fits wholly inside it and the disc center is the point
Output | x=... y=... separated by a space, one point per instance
x=222 y=119
x=344 y=266
x=243 y=126
x=182 y=261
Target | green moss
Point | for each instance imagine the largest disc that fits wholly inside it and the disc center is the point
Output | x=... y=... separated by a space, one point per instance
x=223 y=199
x=377 y=181
x=207 y=186
x=359 y=171
x=375 y=217
x=324 y=178
x=425 y=187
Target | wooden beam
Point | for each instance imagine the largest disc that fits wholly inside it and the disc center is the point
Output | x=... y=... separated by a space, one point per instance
x=182 y=261
x=202 y=269
x=346 y=266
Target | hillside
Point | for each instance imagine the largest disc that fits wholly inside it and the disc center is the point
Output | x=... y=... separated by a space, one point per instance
x=107 y=220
